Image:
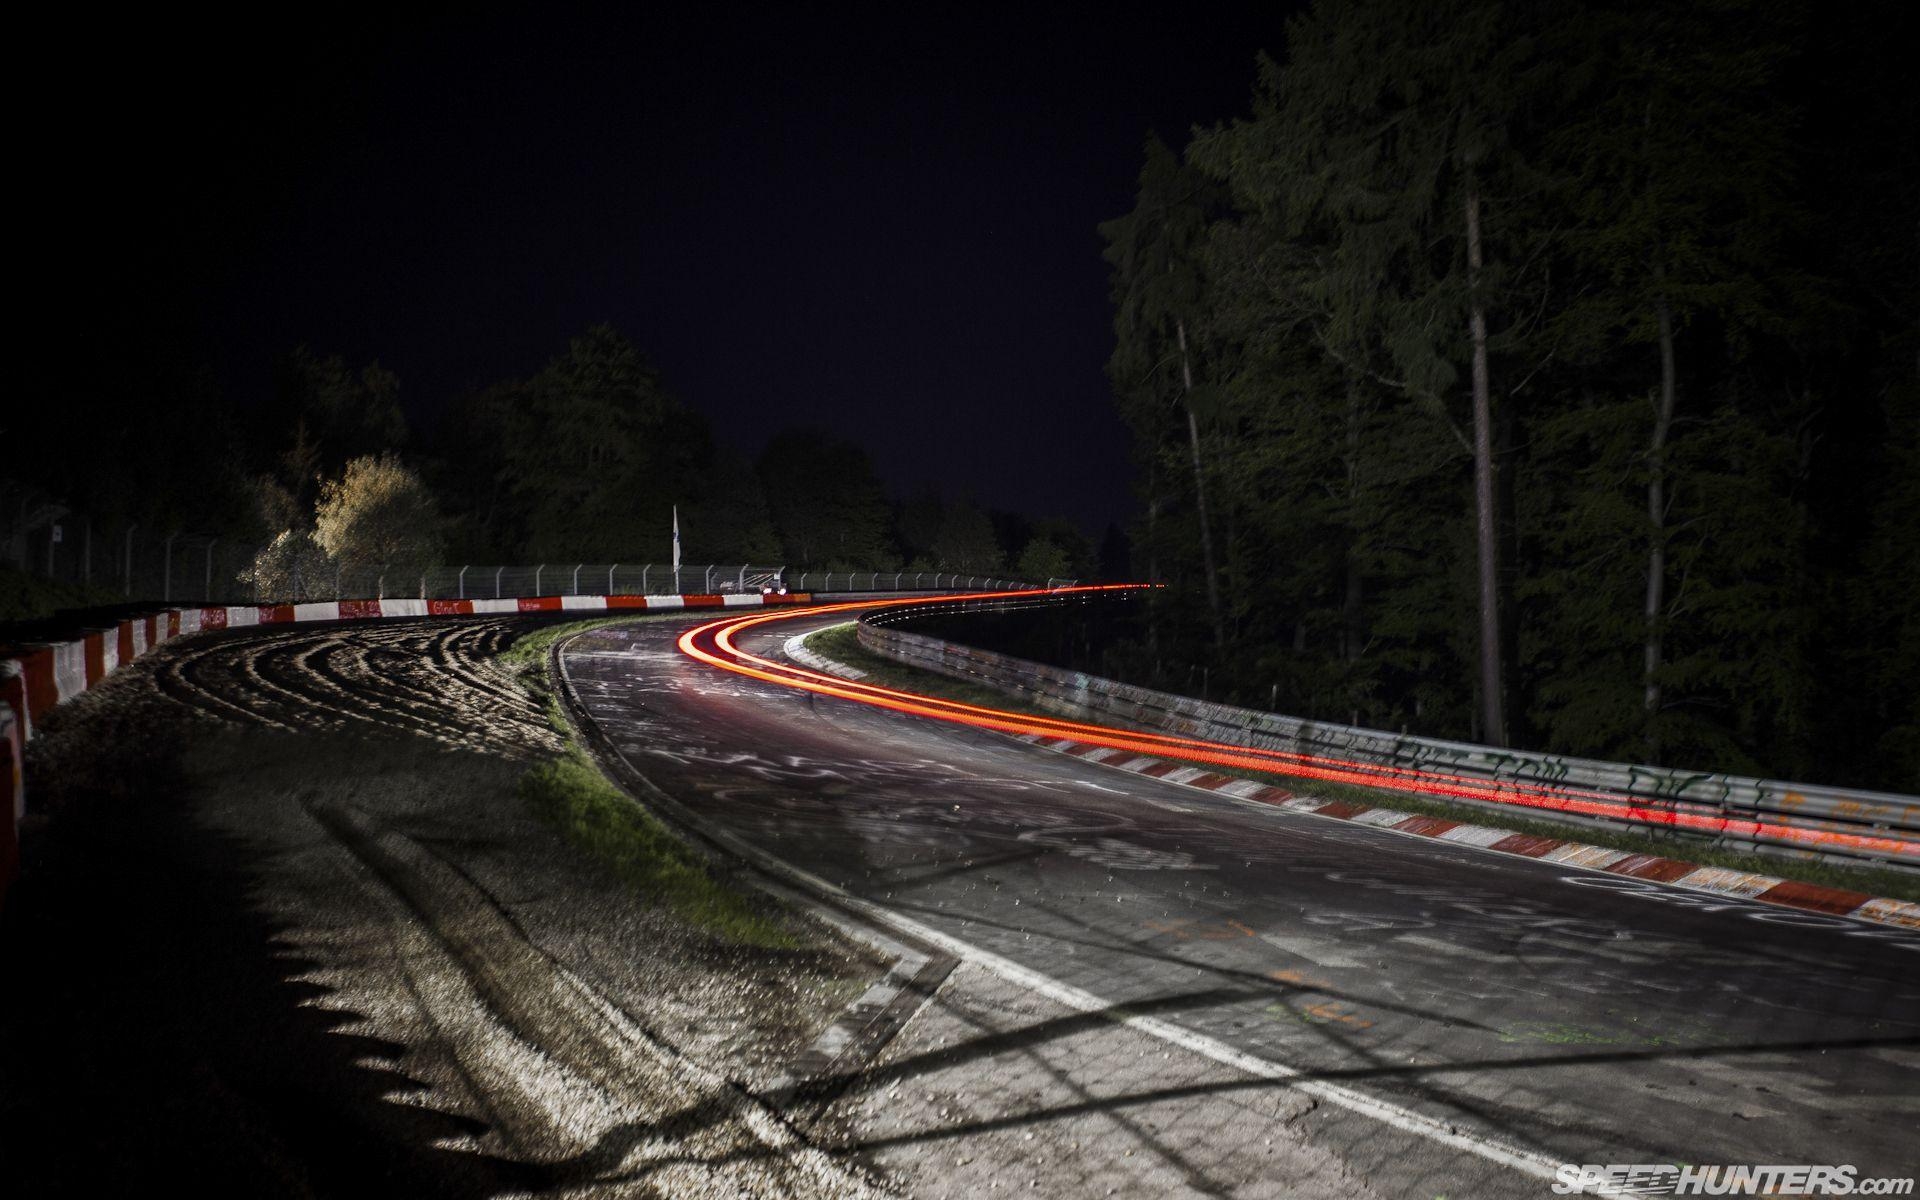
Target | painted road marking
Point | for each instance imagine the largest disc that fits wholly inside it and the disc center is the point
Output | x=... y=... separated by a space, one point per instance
x=1318 y=951
x=1453 y=951
x=1528 y=1162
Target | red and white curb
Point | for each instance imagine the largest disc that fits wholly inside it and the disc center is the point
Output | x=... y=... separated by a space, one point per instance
x=36 y=678
x=1652 y=868
x=1767 y=889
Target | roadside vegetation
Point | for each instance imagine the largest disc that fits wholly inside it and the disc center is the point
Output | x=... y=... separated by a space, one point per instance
x=571 y=793
x=25 y=597
x=841 y=644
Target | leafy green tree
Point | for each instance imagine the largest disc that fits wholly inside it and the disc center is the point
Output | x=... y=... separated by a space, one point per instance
x=378 y=513
x=486 y=515
x=1081 y=559
x=827 y=506
x=966 y=542
x=729 y=520
x=339 y=414
x=1042 y=560
x=917 y=526
x=596 y=453
x=291 y=568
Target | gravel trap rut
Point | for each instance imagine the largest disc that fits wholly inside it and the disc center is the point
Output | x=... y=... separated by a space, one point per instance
x=288 y=929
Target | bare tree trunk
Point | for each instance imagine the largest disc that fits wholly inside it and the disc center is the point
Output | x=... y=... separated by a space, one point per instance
x=1153 y=556
x=1352 y=611
x=1657 y=532
x=1486 y=526
x=1200 y=491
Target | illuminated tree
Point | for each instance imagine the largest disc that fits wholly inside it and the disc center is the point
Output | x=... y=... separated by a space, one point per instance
x=379 y=514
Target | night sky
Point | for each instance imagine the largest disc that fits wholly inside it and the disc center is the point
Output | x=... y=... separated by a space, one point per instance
x=881 y=223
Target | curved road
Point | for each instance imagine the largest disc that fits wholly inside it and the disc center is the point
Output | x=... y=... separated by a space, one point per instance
x=1503 y=1014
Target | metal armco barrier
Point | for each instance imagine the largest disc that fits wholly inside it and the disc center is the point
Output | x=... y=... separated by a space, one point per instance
x=1889 y=818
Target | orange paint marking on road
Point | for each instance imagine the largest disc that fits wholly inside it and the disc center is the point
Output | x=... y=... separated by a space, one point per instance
x=1297 y=979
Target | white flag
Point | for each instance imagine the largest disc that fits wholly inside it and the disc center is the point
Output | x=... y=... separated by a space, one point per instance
x=676 y=540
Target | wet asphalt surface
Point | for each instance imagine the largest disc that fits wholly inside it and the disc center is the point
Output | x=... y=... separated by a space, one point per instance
x=1581 y=1016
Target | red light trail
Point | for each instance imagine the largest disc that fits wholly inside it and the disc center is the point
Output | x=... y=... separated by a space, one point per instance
x=714 y=643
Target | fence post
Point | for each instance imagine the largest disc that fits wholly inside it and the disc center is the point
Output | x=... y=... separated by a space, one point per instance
x=576 y=578
x=536 y=578
x=380 y=586
x=336 y=581
x=166 y=571
x=707 y=588
x=127 y=571
x=643 y=578
x=497 y=573
x=615 y=567
x=206 y=589
x=463 y=583
x=741 y=585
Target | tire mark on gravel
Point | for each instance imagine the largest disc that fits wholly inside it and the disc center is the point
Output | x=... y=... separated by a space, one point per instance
x=185 y=679
x=377 y=700
x=590 y=1077
x=403 y=679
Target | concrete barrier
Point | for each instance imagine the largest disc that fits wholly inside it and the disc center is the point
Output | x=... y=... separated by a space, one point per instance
x=1892 y=821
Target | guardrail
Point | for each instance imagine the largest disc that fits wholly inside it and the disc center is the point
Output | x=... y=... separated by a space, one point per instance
x=1603 y=791
x=482 y=582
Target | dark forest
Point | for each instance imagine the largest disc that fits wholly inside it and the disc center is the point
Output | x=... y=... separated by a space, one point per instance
x=1546 y=380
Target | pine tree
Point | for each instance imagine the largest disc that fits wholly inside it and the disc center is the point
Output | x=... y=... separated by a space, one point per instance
x=1373 y=153
x=1154 y=252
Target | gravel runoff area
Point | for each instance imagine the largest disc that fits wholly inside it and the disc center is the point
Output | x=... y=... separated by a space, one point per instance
x=288 y=928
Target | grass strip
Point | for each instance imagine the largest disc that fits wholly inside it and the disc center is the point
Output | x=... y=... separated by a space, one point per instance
x=841 y=644
x=527 y=659
x=571 y=793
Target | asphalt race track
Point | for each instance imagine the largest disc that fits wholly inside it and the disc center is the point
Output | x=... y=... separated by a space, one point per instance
x=1523 y=1006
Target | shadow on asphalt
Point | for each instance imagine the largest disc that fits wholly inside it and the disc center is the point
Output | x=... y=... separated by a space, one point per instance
x=155 y=1030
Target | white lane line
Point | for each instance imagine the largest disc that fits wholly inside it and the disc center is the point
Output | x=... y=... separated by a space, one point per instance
x=1394 y=1116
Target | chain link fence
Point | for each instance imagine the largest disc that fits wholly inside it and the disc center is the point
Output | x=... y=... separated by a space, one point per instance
x=117 y=558
x=130 y=560
x=474 y=581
